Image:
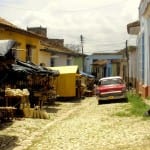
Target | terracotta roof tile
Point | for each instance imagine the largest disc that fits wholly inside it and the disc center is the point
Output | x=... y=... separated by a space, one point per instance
x=10 y=26
x=100 y=62
x=133 y=24
x=5 y=22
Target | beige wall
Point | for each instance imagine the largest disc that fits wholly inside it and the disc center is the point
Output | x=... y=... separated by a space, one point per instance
x=44 y=57
x=22 y=40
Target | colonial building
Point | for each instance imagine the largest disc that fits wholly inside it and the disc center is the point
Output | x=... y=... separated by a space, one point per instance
x=28 y=43
x=35 y=46
x=104 y=64
x=141 y=28
x=143 y=49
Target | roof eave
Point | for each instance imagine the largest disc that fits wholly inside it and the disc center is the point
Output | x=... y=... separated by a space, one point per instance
x=18 y=30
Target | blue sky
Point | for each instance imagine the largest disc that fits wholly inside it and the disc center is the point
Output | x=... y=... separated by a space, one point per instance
x=101 y=22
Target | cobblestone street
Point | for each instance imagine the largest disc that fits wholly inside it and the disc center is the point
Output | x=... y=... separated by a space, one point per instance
x=80 y=125
x=75 y=75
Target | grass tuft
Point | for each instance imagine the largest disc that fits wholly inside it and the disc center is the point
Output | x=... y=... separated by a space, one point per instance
x=138 y=107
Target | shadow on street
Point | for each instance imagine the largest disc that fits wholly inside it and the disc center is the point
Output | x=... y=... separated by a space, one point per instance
x=8 y=142
x=5 y=124
x=114 y=101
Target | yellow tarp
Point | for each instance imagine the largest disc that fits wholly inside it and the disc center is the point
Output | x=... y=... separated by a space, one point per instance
x=65 y=69
x=66 y=81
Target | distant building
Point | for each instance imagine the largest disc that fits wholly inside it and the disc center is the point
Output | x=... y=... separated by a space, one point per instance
x=103 y=64
x=38 y=30
x=34 y=45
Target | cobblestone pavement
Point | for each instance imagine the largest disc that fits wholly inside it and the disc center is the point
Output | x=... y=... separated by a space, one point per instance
x=79 y=126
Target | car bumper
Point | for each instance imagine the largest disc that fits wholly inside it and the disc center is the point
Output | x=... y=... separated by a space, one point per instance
x=112 y=97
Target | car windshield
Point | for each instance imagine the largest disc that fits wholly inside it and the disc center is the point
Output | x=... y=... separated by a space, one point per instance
x=110 y=81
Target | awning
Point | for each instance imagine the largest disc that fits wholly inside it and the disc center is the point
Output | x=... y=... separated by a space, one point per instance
x=100 y=62
x=29 y=67
x=133 y=28
x=5 y=46
x=65 y=69
x=22 y=69
x=87 y=75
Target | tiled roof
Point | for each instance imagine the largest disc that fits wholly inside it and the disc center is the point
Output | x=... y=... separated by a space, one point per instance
x=5 y=22
x=52 y=47
x=51 y=44
x=135 y=26
x=100 y=62
x=9 y=26
x=104 y=62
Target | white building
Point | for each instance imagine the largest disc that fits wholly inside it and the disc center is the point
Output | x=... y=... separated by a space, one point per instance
x=143 y=49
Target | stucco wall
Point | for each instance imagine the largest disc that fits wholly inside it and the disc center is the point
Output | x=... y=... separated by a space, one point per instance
x=23 y=40
x=61 y=60
x=132 y=64
x=89 y=60
x=78 y=61
x=44 y=57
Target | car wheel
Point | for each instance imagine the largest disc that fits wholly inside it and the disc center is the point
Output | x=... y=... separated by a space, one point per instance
x=99 y=102
x=126 y=100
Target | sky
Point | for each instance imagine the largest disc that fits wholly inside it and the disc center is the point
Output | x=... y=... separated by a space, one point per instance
x=102 y=23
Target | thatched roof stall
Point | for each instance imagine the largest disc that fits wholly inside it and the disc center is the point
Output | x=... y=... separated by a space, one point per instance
x=35 y=69
x=6 y=58
x=23 y=82
x=37 y=79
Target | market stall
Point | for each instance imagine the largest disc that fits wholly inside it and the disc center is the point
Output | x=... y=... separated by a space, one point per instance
x=6 y=59
x=28 y=87
x=68 y=84
x=23 y=85
x=88 y=81
x=38 y=80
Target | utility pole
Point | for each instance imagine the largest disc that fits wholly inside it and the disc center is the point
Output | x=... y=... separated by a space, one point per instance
x=81 y=39
x=127 y=57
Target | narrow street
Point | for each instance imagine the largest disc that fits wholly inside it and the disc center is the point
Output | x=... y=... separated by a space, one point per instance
x=57 y=58
x=80 y=125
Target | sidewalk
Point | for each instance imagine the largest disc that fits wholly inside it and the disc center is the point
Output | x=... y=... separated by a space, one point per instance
x=147 y=101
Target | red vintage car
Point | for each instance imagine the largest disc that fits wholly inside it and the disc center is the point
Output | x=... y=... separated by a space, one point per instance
x=110 y=88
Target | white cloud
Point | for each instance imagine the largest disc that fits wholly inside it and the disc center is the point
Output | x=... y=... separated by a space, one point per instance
x=99 y=21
